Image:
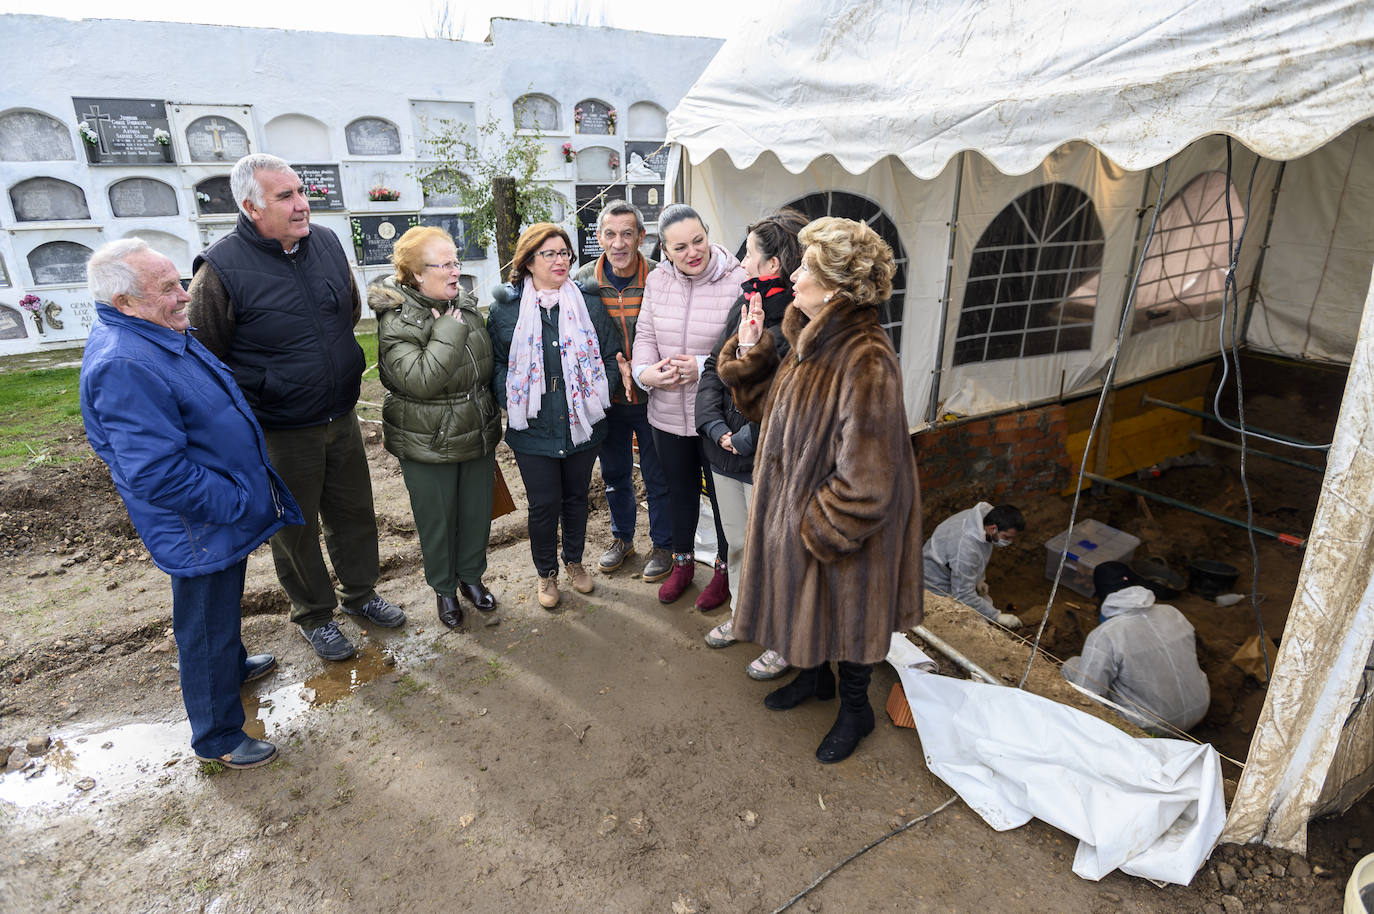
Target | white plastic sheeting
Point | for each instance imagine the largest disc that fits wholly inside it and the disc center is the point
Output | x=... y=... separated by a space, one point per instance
x=1327 y=639
x=1149 y=807
x=927 y=79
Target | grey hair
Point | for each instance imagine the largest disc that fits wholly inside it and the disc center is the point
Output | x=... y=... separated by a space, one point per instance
x=620 y=208
x=108 y=272
x=678 y=212
x=243 y=180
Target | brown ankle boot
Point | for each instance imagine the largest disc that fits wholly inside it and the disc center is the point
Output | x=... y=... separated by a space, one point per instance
x=578 y=577
x=548 y=591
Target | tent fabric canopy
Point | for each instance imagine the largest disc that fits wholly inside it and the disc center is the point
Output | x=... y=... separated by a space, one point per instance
x=923 y=81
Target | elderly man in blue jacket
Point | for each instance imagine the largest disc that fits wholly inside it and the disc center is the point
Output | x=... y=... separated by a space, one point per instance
x=189 y=460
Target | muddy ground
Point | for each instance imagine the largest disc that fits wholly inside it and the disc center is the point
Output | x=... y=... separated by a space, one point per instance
x=597 y=759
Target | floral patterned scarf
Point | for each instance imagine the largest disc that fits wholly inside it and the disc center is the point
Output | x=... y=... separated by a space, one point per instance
x=584 y=373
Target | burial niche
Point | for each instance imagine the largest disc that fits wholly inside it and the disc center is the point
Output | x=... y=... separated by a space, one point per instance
x=59 y=263
x=29 y=136
x=216 y=138
x=536 y=112
x=214 y=197
x=48 y=200
x=135 y=198
x=373 y=136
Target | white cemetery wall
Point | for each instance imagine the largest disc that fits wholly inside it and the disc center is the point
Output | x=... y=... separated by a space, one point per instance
x=376 y=92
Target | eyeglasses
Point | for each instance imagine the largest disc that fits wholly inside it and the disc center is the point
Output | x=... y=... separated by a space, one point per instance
x=551 y=256
x=446 y=267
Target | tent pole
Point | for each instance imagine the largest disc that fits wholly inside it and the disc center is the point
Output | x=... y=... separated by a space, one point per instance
x=1280 y=438
x=933 y=407
x=1288 y=538
x=1264 y=249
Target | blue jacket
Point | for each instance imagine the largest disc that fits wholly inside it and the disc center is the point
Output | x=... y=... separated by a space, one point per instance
x=185 y=452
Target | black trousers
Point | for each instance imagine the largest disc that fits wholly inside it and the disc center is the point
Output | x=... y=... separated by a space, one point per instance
x=684 y=465
x=556 y=488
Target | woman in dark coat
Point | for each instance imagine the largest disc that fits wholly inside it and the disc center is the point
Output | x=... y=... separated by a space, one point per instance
x=832 y=561
x=439 y=417
x=772 y=254
x=555 y=379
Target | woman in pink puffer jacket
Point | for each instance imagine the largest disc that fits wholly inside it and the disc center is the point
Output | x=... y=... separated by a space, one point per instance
x=687 y=300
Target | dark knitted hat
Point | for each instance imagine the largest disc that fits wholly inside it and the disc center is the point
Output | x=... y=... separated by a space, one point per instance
x=1109 y=577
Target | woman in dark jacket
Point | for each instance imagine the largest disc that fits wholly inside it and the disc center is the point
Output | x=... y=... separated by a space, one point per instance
x=772 y=254
x=439 y=417
x=556 y=381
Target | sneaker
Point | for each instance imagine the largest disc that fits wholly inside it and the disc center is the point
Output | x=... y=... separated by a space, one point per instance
x=379 y=612
x=723 y=635
x=581 y=581
x=659 y=566
x=258 y=666
x=548 y=590
x=615 y=555
x=768 y=665
x=329 y=642
x=717 y=591
x=679 y=579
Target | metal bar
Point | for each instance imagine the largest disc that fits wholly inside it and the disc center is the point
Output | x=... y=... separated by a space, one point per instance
x=1287 y=538
x=953 y=654
x=1255 y=429
x=1264 y=249
x=933 y=407
x=1231 y=446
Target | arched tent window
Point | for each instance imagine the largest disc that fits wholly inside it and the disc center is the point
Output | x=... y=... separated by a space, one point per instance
x=647 y=121
x=1184 y=274
x=1028 y=290
x=31 y=136
x=46 y=199
x=536 y=112
x=860 y=209
x=59 y=263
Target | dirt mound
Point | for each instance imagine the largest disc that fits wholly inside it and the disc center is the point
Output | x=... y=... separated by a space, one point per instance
x=51 y=506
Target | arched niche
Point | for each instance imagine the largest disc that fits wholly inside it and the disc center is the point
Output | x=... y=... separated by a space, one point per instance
x=215 y=198
x=594 y=117
x=32 y=136
x=297 y=138
x=216 y=138
x=646 y=121
x=45 y=199
x=14 y=324
x=373 y=136
x=59 y=263
x=595 y=163
x=440 y=188
x=168 y=245
x=536 y=111
x=141 y=198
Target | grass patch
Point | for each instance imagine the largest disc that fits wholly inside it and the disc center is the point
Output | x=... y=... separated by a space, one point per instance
x=38 y=410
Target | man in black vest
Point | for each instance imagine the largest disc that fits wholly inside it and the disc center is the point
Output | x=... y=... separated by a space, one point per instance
x=276 y=301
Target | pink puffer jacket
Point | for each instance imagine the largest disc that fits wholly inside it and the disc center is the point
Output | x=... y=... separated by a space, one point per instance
x=683 y=314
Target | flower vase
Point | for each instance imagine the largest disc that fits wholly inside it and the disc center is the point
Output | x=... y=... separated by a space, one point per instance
x=92 y=153
x=610 y=128
x=38 y=323
x=166 y=152
x=358 y=253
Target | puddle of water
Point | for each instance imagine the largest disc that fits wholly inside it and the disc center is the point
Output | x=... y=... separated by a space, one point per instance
x=135 y=755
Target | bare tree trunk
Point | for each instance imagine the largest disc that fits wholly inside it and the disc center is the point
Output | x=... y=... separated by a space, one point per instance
x=506 y=220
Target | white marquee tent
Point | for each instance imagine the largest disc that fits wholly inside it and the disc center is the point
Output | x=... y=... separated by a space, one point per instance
x=1012 y=154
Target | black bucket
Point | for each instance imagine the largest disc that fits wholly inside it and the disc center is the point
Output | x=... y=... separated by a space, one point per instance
x=1207 y=578
x=1155 y=573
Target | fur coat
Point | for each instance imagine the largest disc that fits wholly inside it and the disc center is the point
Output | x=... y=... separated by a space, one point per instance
x=832 y=559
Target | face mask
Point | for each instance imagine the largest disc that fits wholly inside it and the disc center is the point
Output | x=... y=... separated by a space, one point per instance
x=998 y=541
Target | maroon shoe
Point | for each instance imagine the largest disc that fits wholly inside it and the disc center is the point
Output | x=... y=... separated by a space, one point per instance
x=716 y=592
x=679 y=580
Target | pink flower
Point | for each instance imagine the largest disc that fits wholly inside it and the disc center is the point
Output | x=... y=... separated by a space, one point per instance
x=31 y=303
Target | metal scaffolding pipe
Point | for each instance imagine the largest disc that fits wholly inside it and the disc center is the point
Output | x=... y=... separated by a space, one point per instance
x=955 y=655
x=1253 y=452
x=1287 y=538
x=1281 y=438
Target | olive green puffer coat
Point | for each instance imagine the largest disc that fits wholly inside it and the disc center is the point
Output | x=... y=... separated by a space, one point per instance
x=439 y=407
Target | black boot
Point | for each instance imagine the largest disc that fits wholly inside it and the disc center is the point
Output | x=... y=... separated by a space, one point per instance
x=814 y=682
x=450 y=613
x=855 y=720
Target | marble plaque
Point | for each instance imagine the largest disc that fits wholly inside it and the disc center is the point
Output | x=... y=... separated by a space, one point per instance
x=142 y=197
x=594 y=117
x=646 y=162
x=28 y=136
x=323 y=187
x=59 y=263
x=13 y=325
x=216 y=138
x=48 y=200
x=124 y=127
x=374 y=237
x=372 y=136
x=536 y=112
x=440 y=188
x=460 y=228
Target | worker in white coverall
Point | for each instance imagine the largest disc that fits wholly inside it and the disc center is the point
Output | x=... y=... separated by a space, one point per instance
x=956 y=556
x=1143 y=657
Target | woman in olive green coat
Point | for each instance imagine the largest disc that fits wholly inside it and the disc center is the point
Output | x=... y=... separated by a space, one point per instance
x=439 y=417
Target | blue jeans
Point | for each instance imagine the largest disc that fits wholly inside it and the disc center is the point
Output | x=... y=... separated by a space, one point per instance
x=617 y=469
x=206 y=616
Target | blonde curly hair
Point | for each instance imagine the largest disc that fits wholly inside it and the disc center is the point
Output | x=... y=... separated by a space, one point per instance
x=848 y=258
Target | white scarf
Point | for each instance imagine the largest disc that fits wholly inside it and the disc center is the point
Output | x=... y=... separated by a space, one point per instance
x=584 y=373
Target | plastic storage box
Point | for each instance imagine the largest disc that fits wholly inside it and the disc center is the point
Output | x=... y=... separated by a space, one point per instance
x=1087 y=545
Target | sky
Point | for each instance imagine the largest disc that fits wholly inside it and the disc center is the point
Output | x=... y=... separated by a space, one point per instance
x=468 y=19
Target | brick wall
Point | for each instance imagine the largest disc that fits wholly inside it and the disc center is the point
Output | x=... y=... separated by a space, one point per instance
x=995 y=457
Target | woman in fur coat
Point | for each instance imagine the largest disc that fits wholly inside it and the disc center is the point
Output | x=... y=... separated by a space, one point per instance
x=832 y=560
